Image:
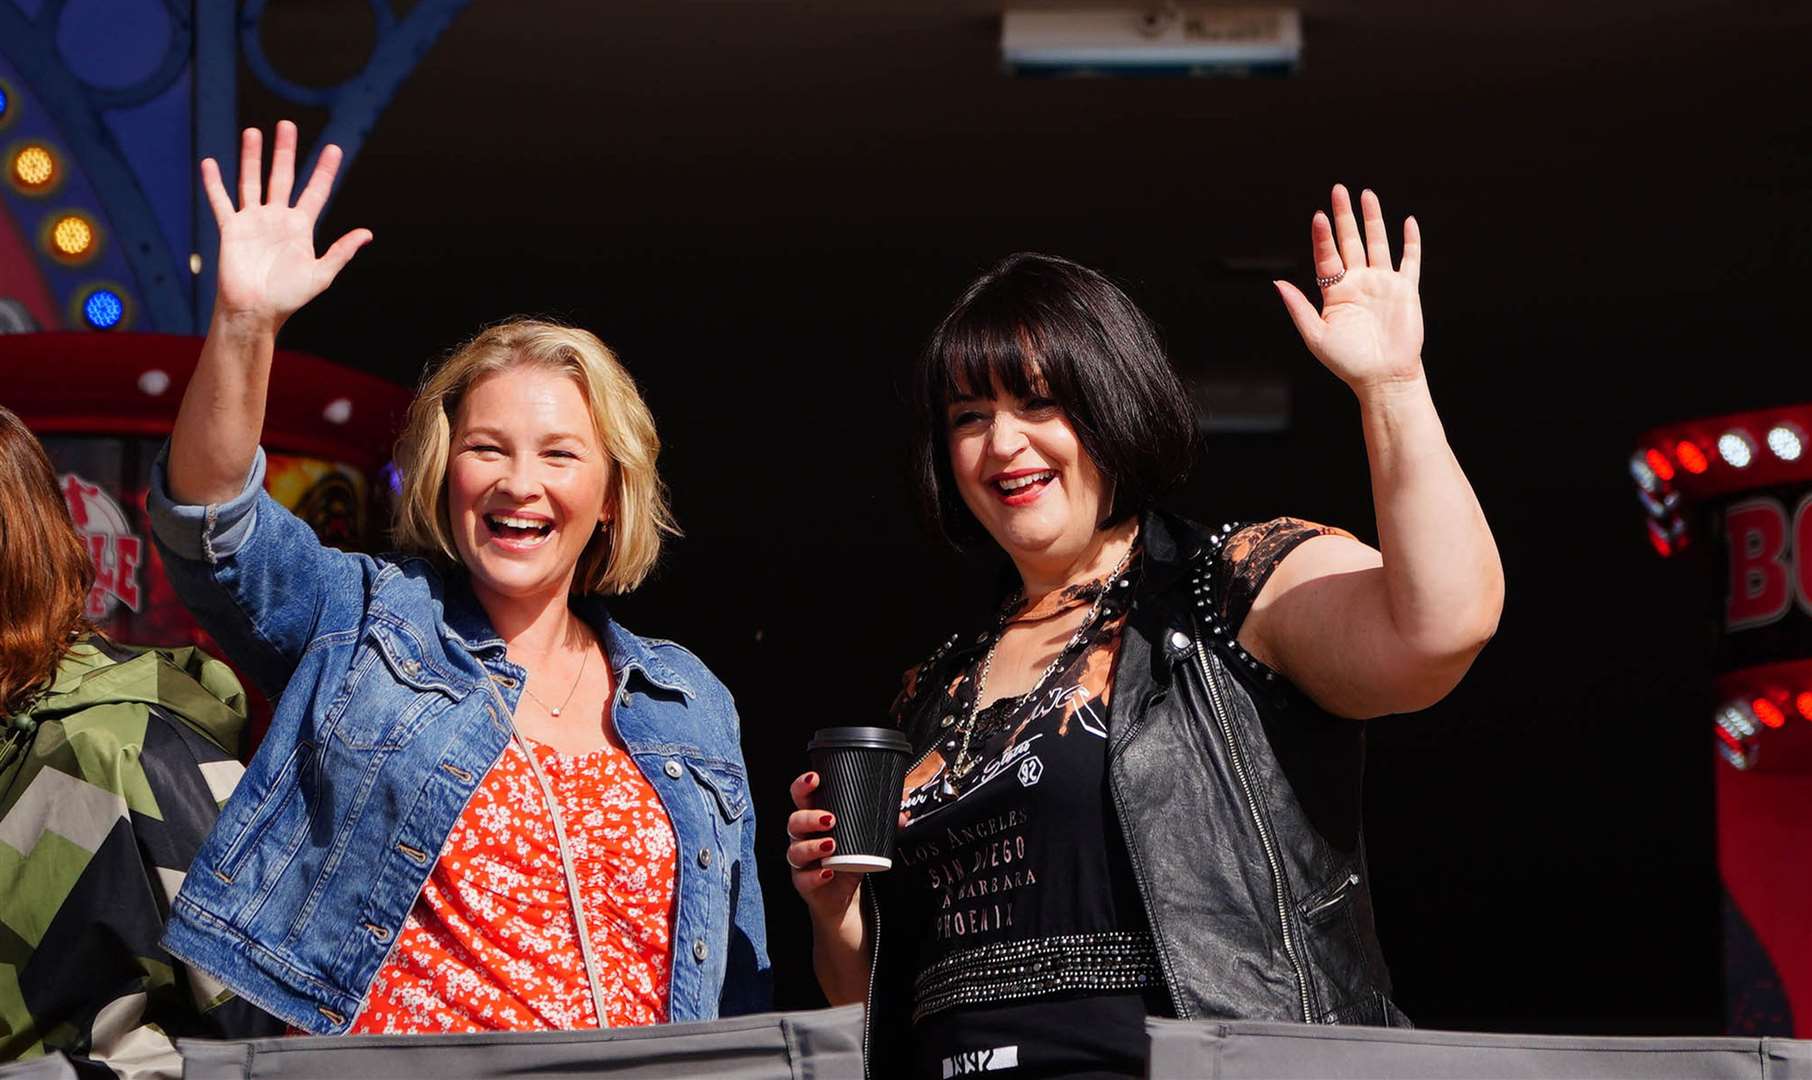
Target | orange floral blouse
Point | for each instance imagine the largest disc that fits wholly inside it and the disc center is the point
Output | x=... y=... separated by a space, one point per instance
x=491 y=944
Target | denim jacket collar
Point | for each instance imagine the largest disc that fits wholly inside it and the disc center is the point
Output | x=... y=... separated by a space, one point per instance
x=464 y=619
x=629 y=654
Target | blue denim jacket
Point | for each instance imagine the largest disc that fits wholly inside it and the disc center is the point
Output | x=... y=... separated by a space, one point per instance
x=396 y=701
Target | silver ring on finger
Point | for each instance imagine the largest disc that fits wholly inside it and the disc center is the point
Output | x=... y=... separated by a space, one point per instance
x=1330 y=280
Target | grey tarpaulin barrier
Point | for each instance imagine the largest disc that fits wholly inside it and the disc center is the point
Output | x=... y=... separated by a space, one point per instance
x=51 y=1066
x=827 y=1045
x=1240 y=1050
x=1788 y=1059
x=821 y=1045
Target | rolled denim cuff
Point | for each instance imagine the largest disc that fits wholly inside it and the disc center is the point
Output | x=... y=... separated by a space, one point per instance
x=203 y=533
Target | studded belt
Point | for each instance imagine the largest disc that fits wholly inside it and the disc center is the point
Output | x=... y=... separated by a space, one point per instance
x=1108 y=961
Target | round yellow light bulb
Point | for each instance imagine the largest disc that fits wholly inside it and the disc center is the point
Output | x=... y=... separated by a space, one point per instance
x=34 y=166
x=72 y=236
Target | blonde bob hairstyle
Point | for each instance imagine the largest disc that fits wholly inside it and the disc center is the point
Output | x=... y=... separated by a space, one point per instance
x=620 y=556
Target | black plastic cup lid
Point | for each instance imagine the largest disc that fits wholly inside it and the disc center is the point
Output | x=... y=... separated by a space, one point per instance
x=859 y=738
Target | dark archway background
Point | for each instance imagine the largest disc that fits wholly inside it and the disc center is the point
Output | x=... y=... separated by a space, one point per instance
x=764 y=206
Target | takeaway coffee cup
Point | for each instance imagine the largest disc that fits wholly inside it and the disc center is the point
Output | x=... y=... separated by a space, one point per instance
x=860 y=770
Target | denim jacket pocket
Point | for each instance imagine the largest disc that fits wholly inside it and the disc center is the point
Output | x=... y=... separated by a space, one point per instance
x=726 y=782
x=390 y=692
x=284 y=792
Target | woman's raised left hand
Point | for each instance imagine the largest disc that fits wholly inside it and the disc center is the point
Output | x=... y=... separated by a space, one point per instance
x=1369 y=328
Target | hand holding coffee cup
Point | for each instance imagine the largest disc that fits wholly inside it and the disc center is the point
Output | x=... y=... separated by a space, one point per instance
x=854 y=793
x=829 y=896
x=861 y=770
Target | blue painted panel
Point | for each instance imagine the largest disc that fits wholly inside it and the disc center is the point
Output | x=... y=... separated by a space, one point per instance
x=30 y=7
x=113 y=44
x=158 y=142
x=216 y=74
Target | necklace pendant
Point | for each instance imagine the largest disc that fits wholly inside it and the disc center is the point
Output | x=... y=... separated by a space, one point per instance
x=555 y=712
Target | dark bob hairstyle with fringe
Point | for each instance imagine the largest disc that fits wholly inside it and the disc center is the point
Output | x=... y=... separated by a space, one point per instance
x=1037 y=320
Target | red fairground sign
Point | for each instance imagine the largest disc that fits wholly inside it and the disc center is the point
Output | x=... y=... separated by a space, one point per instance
x=1770 y=551
x=1743 y=482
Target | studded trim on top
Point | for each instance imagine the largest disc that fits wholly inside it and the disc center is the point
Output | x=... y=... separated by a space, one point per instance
x=1201 y=588
x=1104 y=961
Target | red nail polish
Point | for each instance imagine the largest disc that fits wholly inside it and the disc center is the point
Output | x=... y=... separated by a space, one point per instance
x=826 y=875
x=827 y=845
x=826 y=821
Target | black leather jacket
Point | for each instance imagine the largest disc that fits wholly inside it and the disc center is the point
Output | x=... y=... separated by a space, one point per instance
x=1239 y=802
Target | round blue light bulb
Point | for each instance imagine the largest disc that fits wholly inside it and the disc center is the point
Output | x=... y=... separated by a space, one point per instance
x=103 y=309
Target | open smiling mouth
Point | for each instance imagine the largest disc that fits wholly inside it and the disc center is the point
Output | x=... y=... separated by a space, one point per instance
x=1025 y=487
x=518 y=530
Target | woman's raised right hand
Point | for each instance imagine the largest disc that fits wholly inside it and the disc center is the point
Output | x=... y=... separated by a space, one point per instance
x=267 y=267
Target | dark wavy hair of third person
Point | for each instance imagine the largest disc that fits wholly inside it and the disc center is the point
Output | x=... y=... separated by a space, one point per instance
x=45 y=569
x=1038 y=325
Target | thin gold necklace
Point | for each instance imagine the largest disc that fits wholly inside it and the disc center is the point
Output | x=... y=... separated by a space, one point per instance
x=585 y=658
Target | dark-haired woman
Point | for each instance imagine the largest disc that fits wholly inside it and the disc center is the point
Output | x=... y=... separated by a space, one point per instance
x=113 y=763
x=1136 y=790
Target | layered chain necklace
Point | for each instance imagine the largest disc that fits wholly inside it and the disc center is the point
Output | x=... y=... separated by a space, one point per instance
x=964 y=763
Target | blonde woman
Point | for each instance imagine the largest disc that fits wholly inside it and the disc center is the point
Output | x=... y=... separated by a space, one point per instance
x=483 y=803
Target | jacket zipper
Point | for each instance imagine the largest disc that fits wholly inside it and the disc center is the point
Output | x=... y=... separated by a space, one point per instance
x=874 y=963
x=566 y=869
x=1258 y=820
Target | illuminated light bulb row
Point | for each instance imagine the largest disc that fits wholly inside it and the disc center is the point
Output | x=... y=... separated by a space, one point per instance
x=35 y=169
x=1739 y=450
x=1739 y=723
x=1736 y=732
x=1654 y=468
